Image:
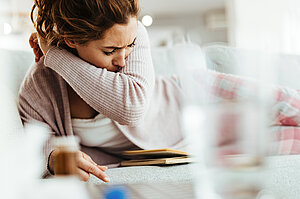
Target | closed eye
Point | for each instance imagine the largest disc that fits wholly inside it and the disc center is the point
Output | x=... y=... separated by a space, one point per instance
x=109 y=53
x=131 y=45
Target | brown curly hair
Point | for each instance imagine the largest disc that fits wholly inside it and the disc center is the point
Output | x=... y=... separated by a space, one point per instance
x=79 y=21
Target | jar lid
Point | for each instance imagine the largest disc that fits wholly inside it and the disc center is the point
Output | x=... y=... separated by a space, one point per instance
x=68 y=142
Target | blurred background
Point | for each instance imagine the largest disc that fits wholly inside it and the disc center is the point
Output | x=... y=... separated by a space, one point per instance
x=168 y=21
x=200 y=21
x=240 y=23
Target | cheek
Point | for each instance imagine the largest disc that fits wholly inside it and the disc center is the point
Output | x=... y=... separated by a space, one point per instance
x=94 y=57
x=103 y=62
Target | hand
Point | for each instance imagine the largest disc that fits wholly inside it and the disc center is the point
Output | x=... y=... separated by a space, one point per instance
x=43 y=45
x=34 y=44
x=39 y=45
x=85 y=166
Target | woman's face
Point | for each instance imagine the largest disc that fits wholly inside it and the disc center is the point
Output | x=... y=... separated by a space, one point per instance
x=111 y=51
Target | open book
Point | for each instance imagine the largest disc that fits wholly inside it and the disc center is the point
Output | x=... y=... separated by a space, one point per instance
x=156 y=157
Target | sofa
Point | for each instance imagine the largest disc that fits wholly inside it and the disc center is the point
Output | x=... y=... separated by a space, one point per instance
x=282 y=170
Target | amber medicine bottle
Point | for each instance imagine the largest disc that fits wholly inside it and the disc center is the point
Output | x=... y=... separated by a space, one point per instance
x=65 y=159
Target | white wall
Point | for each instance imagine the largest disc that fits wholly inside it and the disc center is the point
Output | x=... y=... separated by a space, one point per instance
x=270 y=25
x=177 y=20
x=15 y=15
x=174 y=21
x=172 y=29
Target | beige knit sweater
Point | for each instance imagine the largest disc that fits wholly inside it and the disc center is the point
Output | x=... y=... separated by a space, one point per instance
x=145 y=109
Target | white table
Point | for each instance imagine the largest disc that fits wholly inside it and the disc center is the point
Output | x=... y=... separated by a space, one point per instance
x=281 y=176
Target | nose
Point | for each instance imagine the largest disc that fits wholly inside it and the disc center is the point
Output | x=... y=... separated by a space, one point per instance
x=120 y=59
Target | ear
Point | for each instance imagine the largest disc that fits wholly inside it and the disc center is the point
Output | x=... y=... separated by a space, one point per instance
x=70 y=43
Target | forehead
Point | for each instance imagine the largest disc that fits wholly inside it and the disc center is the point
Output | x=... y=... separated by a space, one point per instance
x=120 y=34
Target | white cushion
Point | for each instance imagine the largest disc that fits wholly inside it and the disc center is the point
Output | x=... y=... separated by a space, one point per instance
x=283 y=69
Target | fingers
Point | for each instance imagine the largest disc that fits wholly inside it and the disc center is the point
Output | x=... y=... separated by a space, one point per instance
x=85 y=163
x=88 y=158
x=92 y=169
x=103 y=168
x=34 y=44
x=83 y=175
x=33 y=39
x=39 y=55
x=37 y=52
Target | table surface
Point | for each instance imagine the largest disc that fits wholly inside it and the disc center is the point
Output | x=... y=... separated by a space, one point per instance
x=144 y=190
x=280 y=173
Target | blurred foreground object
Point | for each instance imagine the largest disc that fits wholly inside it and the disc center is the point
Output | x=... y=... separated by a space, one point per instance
x=225 y=120
x=65 y=159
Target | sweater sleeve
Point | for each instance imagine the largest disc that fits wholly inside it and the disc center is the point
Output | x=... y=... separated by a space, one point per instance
x=122 y=96
x=29 y=115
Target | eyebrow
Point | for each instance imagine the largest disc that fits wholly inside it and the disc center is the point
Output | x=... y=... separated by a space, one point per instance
x=114 y=47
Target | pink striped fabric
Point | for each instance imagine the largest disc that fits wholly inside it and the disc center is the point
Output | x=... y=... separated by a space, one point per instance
x=284 y=114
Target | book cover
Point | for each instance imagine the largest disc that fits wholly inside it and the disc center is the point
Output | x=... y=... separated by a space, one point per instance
x=157 y=161
x=154 y=153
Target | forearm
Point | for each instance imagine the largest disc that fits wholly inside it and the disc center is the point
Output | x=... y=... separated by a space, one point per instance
x=121 y=96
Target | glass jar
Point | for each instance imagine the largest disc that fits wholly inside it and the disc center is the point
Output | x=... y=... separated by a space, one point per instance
x=65 y=159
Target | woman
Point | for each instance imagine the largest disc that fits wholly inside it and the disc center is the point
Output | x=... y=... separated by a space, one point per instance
x=96 y=81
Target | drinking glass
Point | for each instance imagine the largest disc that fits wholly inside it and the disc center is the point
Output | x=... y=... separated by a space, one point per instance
x=226 y=126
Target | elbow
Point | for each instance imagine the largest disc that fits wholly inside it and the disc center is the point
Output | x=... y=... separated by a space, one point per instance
x=134 y=112
x=135 y=104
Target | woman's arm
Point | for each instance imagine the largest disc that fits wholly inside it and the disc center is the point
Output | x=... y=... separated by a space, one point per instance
x=122 y=96
x=29 y=115
x=38 y=105
x=85 y=165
